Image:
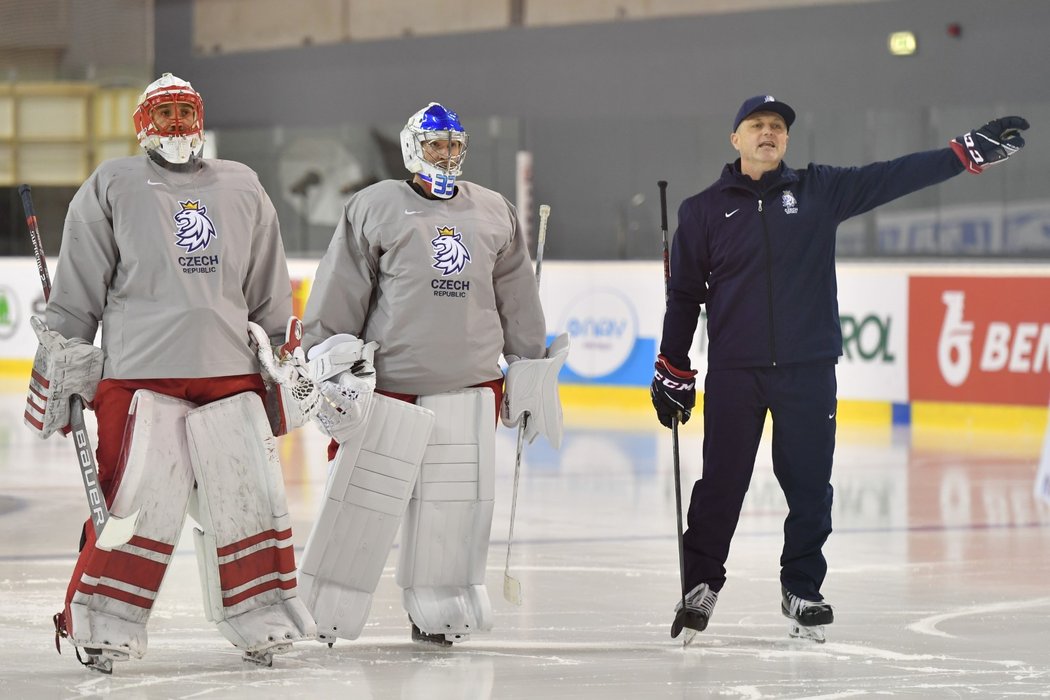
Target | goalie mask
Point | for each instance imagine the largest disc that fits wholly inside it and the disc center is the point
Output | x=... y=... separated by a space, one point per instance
x=434 y=144
x=169 y=119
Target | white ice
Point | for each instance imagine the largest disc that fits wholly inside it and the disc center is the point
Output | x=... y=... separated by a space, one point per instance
x=939 y=573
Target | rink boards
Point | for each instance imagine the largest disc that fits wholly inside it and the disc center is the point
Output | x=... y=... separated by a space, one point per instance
x=931 y=344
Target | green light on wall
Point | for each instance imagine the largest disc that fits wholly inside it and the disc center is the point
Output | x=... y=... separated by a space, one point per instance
x=902 y=43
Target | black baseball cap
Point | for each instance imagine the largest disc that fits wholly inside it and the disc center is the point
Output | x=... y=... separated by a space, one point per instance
x=763 y=103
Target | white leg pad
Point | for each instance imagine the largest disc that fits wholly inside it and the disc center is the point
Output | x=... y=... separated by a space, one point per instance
x=372 y=478
x=445 y=538
x=116 y=592
x=244 y=542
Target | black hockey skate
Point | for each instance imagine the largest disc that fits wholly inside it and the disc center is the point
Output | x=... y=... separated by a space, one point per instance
x=807 y=617
x=419 y=635
x=694 y=616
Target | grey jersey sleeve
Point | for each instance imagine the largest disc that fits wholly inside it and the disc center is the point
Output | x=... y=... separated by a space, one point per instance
x=517 y=296
x=344 y=282
x=86 y=264
x=267 y=287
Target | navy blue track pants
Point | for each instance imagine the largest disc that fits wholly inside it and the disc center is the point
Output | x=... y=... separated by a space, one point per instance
x=801 y=400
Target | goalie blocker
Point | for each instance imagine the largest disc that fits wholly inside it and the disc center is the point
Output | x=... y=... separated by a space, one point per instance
x=532 y=389
x=243 y=539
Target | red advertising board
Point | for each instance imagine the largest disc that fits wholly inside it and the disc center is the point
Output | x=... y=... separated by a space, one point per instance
x=979 y=339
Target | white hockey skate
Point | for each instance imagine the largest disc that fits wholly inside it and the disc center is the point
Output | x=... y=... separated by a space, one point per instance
x=94 y=659
x=100 y=660
x=807 y=617
x=264 y=657
x=694 y=616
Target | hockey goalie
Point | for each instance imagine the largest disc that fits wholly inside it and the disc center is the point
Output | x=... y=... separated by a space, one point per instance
x=435 y=271
x=174 y=255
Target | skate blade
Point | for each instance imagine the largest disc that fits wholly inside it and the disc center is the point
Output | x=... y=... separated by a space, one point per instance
x=688 y=637
x=264 y=657
x=815 y=633
x=437 y=640
x=101 y=661
x=259 y=658
x=688 y=622
x=100 y=665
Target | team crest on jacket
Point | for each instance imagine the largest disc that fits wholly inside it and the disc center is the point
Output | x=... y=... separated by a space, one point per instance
x=450 y=254
x=196 y=230
x=790 y=203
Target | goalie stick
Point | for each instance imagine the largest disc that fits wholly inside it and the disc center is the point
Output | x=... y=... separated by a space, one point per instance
x=511 y=586
x=110 y=531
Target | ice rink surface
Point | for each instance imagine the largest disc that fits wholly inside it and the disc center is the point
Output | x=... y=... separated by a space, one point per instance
x=939 y=573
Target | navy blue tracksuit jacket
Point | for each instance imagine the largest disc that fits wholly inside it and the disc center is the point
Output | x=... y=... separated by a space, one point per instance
x=761 y=256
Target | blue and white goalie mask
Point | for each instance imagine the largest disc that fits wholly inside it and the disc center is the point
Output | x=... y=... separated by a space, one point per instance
x=434 y=144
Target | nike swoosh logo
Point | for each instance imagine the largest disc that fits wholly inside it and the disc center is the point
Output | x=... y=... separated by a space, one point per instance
x=151 y=182
x=412 y=212
x=830 y=416
x=730 y=213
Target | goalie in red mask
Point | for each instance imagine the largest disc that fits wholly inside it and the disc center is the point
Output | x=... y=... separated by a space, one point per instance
x=174 y=256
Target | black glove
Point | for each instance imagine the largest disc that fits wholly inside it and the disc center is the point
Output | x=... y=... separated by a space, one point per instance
x=992 y=143
x=673 y=392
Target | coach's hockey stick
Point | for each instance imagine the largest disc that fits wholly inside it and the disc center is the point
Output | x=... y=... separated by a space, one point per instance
x=110 y=531
x=512 y=586
x=676 y=627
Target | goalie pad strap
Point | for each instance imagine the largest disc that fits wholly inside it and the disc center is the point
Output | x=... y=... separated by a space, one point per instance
x=244 y=546
x=372 y=478
x=115 y=592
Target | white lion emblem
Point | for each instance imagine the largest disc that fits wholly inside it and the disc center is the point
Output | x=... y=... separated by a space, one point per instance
x=195 y=228
x=450 y=254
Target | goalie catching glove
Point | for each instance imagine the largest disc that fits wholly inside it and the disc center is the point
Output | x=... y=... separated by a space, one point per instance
x=63 y=367
x=342 y=366
x=298 y=397
x=532 y=388
x=992 y=143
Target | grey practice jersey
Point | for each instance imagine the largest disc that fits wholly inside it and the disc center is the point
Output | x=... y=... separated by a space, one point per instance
x=173 y=265
x=444 y=286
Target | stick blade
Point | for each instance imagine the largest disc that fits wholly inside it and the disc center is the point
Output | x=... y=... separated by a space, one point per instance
x=512 y=590
x=117 y=531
